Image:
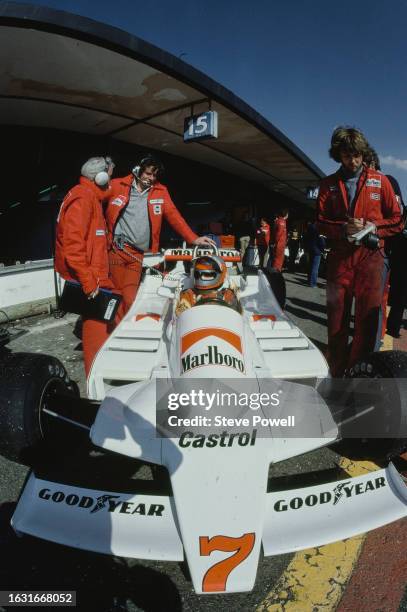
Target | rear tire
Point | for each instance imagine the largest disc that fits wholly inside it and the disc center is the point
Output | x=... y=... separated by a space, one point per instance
x=27 y=381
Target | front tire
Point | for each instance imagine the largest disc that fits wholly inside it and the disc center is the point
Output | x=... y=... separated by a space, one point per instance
x=27 y=382
x=389 y=417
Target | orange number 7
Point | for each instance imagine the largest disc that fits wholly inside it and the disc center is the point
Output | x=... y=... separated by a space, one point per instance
x=217 y=575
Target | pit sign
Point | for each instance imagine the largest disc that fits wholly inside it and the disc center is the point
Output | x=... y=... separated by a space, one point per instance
x=201 y=127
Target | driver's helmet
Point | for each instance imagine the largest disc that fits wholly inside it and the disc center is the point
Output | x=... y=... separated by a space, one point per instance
x=209 y=272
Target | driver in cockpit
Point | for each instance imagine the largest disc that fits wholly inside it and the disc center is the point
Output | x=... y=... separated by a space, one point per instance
x=209 y=273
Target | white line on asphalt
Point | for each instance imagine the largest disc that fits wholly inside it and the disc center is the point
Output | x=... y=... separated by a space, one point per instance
x=39 y=328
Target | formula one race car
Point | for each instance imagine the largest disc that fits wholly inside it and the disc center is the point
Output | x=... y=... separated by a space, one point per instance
x=152 y=393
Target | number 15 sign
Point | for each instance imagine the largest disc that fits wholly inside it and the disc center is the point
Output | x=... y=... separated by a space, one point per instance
x=201 y=127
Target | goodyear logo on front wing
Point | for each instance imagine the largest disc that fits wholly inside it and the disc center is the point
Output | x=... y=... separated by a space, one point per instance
x=342 y=492
x=105 y=502
x=213 y=355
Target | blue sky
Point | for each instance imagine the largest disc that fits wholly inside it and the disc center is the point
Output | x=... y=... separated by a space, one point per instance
x=307 y=66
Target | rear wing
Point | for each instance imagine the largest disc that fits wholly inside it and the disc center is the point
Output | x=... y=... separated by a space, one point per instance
x=228 y=255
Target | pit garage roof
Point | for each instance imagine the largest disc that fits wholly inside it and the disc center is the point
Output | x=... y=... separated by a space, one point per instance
x=63 y=71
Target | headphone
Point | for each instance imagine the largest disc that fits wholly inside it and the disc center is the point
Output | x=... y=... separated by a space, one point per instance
x=146 y=162
x=102 y=178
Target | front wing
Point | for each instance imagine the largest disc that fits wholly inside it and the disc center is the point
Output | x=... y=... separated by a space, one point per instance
x=147 y=526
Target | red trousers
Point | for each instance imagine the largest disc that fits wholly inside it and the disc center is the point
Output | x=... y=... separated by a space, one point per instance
x=358 y=275
x=125 y=272
x=94 y=335
x=384 y=305
x=278 y=257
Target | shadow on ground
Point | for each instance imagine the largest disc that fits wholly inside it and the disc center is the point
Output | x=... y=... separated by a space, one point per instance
x=102 y=583
x=304 y=314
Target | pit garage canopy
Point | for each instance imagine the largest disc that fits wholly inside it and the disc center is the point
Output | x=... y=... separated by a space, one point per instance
x=72 y=73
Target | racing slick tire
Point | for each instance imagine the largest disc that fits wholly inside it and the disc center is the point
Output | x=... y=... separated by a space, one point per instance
x=27 y=381
x=277 y=285
x=390 y=411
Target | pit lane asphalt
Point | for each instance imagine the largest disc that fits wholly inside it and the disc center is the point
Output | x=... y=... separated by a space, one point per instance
x=110 y=583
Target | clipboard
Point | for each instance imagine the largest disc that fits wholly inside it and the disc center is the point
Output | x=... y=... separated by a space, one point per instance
x=102 y=308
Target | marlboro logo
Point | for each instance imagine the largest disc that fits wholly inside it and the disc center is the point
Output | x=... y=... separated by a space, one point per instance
x=213 y=355
x=198 y=334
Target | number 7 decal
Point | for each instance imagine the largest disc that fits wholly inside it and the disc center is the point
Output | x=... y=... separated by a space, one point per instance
x=217 y=575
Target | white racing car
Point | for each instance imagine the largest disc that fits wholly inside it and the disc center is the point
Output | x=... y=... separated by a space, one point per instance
x=218 y=513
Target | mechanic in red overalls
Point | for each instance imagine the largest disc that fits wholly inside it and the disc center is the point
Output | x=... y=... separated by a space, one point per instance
x=263 y=241
x=134 y=214
x=349 y=200
x=81 y=244
x=279 y=239
x=390 y=249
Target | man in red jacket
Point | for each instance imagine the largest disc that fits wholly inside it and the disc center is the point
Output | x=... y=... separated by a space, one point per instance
x=279 y=239
x=81 y=245
x=263 y=241
x=134 y=214
x=349 y=200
